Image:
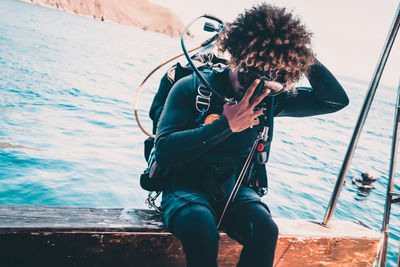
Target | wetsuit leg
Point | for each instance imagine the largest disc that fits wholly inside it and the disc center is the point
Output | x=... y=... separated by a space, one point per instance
x=252 y=226
x=195 y=227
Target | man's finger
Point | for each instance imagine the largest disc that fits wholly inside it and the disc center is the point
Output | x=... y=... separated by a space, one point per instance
x=250 y=90
x=226 y=105
x=257 y=113
x=274 y=85
x=255 y=122
x=260 y=98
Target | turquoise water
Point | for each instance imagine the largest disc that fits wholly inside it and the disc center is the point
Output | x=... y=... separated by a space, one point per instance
x=68 y=135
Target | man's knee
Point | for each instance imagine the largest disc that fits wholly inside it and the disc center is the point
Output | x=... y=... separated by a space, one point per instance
x=265 y=229
x=261 y=226
x=195 y=222
x=268 y=230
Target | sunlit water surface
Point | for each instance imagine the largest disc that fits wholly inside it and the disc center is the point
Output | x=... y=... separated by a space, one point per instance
x=68 y=135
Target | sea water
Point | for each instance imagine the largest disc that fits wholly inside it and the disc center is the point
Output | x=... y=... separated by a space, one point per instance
x=68 y=136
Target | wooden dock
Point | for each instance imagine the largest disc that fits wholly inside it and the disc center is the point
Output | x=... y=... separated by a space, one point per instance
x=73 y=236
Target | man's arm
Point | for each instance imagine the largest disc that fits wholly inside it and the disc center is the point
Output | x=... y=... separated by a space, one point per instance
x=177 y=140
x=325 y=96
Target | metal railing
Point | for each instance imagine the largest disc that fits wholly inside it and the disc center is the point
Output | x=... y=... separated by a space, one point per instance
x=363 y=116
x=391 y=196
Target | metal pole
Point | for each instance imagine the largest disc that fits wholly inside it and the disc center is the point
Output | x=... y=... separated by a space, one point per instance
x=398 y=258
x=363 y=115
x=392 y=168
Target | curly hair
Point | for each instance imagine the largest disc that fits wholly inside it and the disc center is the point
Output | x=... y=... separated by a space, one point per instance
x=271 y=39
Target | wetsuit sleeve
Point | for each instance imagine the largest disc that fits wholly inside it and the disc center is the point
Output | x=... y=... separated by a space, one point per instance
x=178 y=140
x=325 y=96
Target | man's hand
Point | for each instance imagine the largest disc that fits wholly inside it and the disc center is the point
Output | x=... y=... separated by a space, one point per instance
x=242 y=115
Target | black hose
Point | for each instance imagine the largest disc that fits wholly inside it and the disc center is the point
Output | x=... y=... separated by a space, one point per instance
x=199 y=75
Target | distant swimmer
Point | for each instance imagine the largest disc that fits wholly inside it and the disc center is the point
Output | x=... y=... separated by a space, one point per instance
x=364 y=183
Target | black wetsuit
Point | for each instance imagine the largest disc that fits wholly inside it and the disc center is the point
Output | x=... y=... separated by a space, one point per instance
x=203 y=158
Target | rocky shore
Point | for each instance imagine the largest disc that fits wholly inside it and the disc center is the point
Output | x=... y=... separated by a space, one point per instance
x=137 y=13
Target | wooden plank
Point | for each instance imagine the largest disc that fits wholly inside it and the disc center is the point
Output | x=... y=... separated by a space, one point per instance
x=49 y=218
x=68 y=236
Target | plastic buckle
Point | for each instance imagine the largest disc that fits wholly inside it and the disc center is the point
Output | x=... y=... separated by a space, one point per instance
x=203 y=99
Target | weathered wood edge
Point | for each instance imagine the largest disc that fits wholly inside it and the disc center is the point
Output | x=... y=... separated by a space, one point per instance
x=70 y=236
x=29 y=218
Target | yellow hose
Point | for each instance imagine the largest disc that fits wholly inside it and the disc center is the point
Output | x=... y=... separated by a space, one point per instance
x=141 y=87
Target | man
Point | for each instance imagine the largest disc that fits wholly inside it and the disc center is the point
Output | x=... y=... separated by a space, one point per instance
x=206 y=152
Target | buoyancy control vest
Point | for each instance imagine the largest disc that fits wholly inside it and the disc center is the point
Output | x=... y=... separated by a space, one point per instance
x=155 y=179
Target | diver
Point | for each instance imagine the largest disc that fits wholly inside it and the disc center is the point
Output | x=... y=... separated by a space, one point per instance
x=364 y=184
x=267 y=46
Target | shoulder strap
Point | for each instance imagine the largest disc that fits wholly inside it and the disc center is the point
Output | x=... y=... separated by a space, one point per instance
x=203 y=98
